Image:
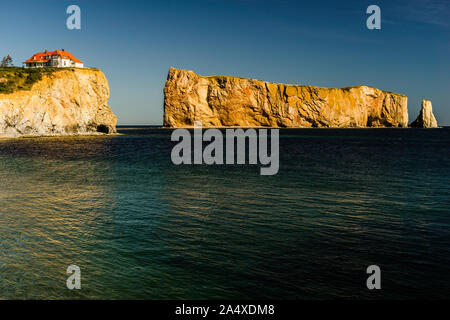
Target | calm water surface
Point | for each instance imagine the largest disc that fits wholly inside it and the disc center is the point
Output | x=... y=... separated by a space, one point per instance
x=140 y=227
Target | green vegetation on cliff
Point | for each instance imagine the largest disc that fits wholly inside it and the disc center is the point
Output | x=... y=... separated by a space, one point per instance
x=14 y=78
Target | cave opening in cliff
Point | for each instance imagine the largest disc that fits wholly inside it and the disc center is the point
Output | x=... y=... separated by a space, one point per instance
x=102 y=128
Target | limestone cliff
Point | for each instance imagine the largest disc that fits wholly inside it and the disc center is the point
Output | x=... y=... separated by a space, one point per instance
x=62 y=102
x=230 y=101
x=426 y=117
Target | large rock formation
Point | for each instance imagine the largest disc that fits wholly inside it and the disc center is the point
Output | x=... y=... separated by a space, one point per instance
x=66 y=101
x=426 y=117
x=230 y=101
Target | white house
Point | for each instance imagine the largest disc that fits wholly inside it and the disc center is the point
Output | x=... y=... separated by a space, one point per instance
x=58 y=59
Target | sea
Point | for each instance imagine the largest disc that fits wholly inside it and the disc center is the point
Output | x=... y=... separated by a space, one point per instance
x=140 y=227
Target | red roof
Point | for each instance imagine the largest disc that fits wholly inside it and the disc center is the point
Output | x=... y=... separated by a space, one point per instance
x=46 y=56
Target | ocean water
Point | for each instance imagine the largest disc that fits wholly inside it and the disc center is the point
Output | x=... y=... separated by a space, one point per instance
x=140 y=227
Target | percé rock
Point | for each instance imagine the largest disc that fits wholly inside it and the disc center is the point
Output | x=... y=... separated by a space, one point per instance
x=63 y=102
x=426 y=117
x=224 y=101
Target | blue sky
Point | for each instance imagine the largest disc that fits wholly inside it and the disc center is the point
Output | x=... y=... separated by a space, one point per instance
x=321 y=43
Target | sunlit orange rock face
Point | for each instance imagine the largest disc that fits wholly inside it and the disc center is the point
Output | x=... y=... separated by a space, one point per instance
x=238 y=102
x=426 y=117
x=65 y=102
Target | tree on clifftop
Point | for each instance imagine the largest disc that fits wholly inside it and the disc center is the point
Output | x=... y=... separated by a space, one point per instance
x=6 y=61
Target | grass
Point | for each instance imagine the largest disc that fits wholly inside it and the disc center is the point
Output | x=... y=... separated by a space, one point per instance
x=13 y=79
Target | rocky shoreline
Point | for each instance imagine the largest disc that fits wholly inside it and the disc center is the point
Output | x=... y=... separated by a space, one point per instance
x=64 y=102
x=224 y=101
x=73 y=101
